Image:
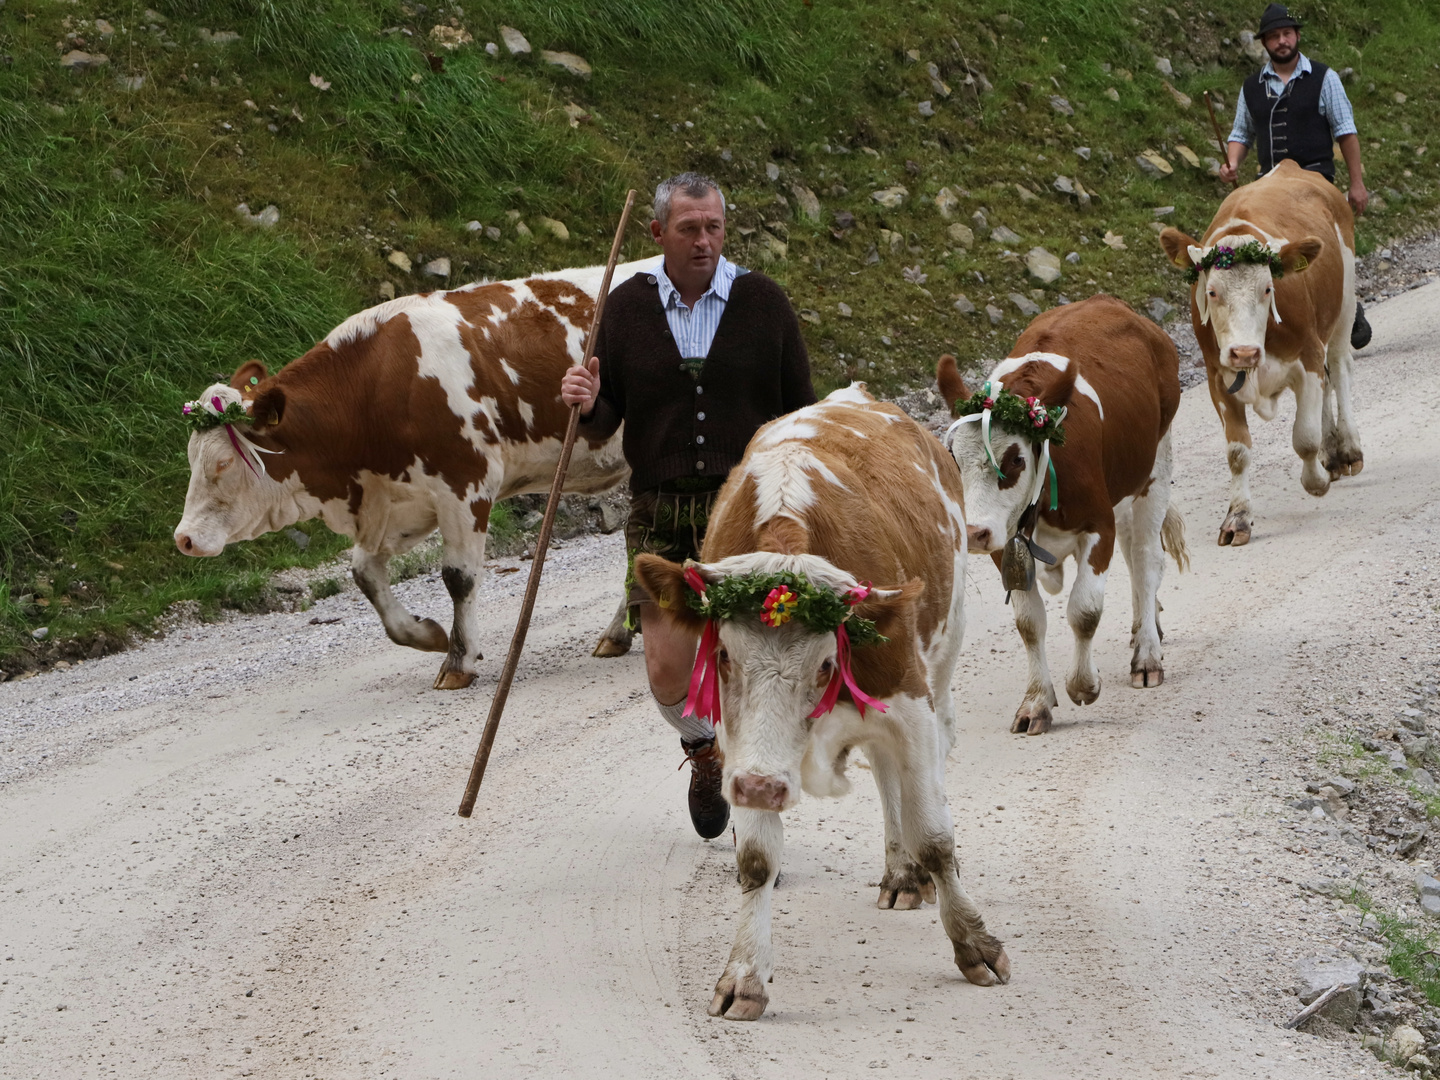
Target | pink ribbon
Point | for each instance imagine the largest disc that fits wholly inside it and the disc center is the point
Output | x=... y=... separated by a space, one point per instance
x=703 y=699
x=844 y=677
x=234 y=441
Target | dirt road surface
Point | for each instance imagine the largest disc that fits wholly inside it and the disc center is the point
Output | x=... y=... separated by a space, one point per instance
x=234 y=852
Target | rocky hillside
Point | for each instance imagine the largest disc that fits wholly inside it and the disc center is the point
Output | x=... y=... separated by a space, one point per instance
x=192 y=184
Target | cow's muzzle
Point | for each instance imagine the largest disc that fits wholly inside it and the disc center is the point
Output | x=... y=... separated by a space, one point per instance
x=1243 y=357
x=759 y=792
x=189 y=544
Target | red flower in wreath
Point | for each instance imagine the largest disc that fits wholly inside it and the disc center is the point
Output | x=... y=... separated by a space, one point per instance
x=779 y=606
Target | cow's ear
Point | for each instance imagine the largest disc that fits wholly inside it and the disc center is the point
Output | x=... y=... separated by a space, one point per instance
x=892 y=609
x=268 y=408
x=248 y=376
x=1177 y=247
x=1298 y=254
x=952 y=386
x=664 y=581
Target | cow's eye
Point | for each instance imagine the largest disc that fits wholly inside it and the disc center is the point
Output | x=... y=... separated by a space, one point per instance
x=827 y=667
x=724 y=656
x=1211 y=293
x=223 y=465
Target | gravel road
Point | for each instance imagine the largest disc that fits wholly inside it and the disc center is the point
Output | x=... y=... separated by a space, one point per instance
x=234 y=851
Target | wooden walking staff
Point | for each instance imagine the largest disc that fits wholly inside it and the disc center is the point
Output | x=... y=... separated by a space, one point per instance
x=1220 y=142
x=542 y=542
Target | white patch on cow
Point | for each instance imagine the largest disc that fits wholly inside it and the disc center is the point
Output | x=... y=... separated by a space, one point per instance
x=854 y=394
x=1055 y=360
x=818 y=569
x=783 y=485
x=527 y=413
x=798 y=425
x=510 y=372
x=1217 y=232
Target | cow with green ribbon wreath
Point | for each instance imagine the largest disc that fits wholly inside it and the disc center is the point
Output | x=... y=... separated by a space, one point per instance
x=1064 y=450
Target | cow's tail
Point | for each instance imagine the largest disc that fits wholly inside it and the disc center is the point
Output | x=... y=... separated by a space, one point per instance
x=1172 y=538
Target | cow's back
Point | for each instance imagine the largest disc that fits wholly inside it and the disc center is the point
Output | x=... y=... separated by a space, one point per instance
x=874 y=493
x=1126 y=362
x=1290 y=203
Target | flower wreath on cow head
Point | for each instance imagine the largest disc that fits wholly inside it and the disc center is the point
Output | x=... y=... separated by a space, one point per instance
x=1026 y=417
x=775 y=599
x=222 y=406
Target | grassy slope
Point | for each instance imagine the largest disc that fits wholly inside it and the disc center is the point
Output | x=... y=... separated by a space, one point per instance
x=127 y=283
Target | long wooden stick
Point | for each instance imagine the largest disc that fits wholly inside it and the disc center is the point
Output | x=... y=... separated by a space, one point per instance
x=1215 y=124
x=542 y=542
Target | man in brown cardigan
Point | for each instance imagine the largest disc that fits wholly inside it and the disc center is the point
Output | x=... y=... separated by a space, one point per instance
x=693 y=355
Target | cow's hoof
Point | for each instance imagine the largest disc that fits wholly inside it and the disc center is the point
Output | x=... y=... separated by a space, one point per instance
x=742 y=998
x=1032 y=718
x=451 y=679
x=1083 y=690
x=1355 y=467
x=1235 y=531
x=609 y=647
x=905 y=889
x=1143 y=677
x=983 y=964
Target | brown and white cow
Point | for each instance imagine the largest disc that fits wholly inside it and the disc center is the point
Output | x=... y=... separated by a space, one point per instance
x=1117 y=376
x=844 y=491
x=1261 y=336
x=416 y=414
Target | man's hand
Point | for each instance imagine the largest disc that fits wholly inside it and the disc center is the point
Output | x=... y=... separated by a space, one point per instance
x=1358 y=197
x=581 y=385
x=1228 y=173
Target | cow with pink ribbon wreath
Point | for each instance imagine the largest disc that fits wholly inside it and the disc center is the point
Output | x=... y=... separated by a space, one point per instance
x=802 y=660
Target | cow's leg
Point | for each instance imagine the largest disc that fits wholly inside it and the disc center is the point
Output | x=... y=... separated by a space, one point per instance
x=1343 y=456
x=1145 y=557
x=1307 y=434
x=905 y=885
x=616 y=639
x=1235 y=529
x=372 y=573
x=1087 y=602
x=929 y=835
x=740 y=992
x=1034 y=717
x=462 y=570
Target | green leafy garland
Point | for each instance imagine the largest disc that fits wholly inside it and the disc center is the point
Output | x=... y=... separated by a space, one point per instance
x=1019 y=416
x=1222 y=257
x=820 y=610
x=206 y=415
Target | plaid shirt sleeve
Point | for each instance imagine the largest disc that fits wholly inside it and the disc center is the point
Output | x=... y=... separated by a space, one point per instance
x=1335 y=106
x=1243 y=130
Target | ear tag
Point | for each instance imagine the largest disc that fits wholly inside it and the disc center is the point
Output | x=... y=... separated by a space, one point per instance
x=1017 y=566
x=254 y=381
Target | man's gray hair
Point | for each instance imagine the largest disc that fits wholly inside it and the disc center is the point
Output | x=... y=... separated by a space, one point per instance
x=692 y=184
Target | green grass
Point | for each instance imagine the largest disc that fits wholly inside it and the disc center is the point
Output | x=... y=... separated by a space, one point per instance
x=1413 y=951
x=127 y=283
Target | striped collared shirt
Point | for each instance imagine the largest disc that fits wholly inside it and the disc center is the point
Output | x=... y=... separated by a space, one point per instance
x=1334 y=104
x=694 y=328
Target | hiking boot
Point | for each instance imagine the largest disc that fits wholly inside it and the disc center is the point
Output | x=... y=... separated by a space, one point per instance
x=709 y=811
x=1360 y=332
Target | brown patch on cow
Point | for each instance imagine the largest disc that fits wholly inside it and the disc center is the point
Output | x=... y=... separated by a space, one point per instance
x=785 y=535
x=1012 y=464
x=937 y=855
x=752 y=868
x=950 y=383
x=1146 y=489
x=564 y=297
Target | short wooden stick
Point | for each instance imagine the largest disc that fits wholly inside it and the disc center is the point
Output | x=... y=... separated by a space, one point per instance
x=542 y=542
x=1215 y=125
x=1314 y=1007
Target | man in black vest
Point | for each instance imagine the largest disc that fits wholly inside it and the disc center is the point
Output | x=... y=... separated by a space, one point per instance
x=693 y=355
x=1293 y=108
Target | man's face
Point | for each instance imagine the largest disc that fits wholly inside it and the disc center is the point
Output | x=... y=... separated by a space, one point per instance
x=694 y=235
x=1282 y=44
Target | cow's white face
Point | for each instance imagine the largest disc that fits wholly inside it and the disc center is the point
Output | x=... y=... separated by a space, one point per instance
x=993 y=504
x=226 y=500
x=771 y=679
x=1237 y=304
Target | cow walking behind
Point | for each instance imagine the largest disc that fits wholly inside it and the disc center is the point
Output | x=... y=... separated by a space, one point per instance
x=1116 y=376
x=827 y=500
x=1272 y=303
x=420 y=413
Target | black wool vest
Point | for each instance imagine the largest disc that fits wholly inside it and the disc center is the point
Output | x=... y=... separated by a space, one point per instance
x=1290 y=126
